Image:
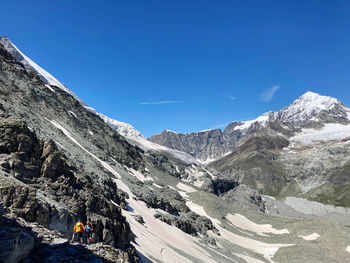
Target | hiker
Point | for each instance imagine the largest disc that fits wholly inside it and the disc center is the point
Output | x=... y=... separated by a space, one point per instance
x=89 y=230
x=78 y=230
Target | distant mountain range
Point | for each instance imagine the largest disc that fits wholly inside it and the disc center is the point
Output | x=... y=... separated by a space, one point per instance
x=311 y=110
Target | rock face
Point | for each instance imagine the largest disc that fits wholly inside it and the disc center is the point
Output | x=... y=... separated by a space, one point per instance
x=190 y=223
x=20 y=240
x=201 y=145
x=54 y=196
x=38 y=181
x=207 y=145
x=15 y=243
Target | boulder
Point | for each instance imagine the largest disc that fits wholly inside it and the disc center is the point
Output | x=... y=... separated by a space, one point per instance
x=15 y=242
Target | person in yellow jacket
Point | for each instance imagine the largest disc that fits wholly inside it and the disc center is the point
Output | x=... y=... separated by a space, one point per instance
x=78 y=230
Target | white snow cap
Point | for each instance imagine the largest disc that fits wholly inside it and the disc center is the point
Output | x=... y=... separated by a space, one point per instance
x=263 y=119
x=306 y=107
x=30 y=65
x=122 y=128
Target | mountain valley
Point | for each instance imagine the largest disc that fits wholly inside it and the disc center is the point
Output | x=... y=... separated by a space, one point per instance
x=275 y=189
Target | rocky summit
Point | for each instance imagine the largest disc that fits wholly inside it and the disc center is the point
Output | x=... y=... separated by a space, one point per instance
x=275 y=189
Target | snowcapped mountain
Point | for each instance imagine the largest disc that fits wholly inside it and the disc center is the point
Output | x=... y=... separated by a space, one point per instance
x=310 y=110
x=32 y=66
x=124 y=129
x=308 y=106
x=263 y=119
x=59 y=162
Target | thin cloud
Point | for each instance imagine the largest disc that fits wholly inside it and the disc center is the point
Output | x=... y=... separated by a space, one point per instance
x=230 y=97
x=159 y=102
x=268 y=94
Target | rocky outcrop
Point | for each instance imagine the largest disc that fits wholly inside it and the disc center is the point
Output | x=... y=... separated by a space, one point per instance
x=245 y=197
x=190 y=223
x=219 y=186
x=16 y=242
x=31 y=242
x=165 y=199
x=39 y=185
x=162 y=163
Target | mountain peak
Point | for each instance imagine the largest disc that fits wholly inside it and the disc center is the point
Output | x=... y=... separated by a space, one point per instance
x=314 y=100
x=315 y=96
x=4 y=38
x=167 y=130
x=310 y=94
x=30 y=65
x=306 y=107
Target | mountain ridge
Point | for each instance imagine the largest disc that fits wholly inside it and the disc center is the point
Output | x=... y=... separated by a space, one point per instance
x=310 y=110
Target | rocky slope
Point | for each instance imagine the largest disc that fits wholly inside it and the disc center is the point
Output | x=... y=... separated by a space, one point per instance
x=289 y=152
x=60 y=160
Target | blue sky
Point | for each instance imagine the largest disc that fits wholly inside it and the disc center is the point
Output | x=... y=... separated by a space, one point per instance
x=186 y=65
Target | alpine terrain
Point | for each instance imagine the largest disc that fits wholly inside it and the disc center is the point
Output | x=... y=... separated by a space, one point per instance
x=275 y=189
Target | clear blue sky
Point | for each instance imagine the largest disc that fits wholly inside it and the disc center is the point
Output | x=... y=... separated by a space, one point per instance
x=186 y=65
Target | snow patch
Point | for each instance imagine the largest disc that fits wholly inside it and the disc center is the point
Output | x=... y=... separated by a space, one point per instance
x=71 y=112
x=122 y=128
x=186 y=188
x=49 y=87
x=246 y=124
x=313 y=236
x=139 y=175
x=157 y=185
x=60 y=145
x=207 y=130
x=156 y=239
x=267 y=250
x=171 y=131
x=67 y=133
x=348 y=249
x=331 y=131
x=244 y=223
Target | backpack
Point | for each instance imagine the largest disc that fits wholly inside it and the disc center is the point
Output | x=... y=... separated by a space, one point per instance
x=87 y=228
x=78 y=227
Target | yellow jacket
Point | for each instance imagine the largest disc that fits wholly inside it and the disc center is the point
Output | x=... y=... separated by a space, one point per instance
x=79 y=227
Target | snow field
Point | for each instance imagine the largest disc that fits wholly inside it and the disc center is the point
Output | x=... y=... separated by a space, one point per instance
x=311 y=237
x=244 y=223
x=331 y=131
x=265 y=249
x=186 y=188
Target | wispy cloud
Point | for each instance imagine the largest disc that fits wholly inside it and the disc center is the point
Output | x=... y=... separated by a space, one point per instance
x=230 y=97
x=159 y=102
x=268 y=94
